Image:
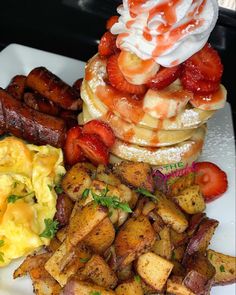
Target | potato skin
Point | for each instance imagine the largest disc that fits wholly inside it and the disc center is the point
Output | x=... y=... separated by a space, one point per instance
x=64 y=208
x=135 y=237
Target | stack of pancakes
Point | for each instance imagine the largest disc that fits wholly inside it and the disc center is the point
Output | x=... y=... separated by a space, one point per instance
x=141 y=136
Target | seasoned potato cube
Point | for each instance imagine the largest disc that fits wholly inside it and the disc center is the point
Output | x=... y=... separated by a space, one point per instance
x=191 y=200
x=181 y=183
x=138 y=175
x=154 y=270
x=84 y=220
x=130 y=288
x=101 y=237
x=75 y=286
x=98 y=271
x=135 y=237
x=62 y=264
x=105 y=174
x=171 y=215
x=225 y=266
x=163 y=246
x=77 y=179
x=175 y=287
x=178 y=239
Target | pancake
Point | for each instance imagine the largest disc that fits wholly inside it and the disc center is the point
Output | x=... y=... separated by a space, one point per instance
x=129 y=109
x=185 y=152
x=130 y=133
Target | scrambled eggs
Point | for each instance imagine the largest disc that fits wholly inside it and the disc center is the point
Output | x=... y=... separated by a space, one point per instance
x=28 y=175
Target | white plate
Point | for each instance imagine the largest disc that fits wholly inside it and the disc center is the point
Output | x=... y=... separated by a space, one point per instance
x=219 y=148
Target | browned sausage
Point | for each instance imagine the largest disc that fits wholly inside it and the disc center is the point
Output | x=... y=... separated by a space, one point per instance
x=77 y=85
x=31 y=125
x=38 y=103
x=64 y=208
x=70 y=118
x=53 y=88
x=17 y=86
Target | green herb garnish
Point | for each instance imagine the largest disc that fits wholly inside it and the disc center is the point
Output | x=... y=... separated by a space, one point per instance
x=13 y=198
x=95 y=293
x=84 y=260
x=51 y=227
x=137 y=279
x=110 y=201
x=146 y=193
x=58 y=189
x=222 y=268
x=85 y=193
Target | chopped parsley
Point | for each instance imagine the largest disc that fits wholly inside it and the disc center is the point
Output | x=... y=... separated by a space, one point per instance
x=84 y=260
x=107 y=201
x=13 y=198
x=58 y=189
x=222 y=268
x=137 y=279
x=146 y=193
x=95 y=293
x=51 y=227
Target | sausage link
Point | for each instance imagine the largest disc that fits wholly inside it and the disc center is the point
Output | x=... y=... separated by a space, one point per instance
x=53 y=88
x=41 y=104
x=16 y=87
x=29 y=124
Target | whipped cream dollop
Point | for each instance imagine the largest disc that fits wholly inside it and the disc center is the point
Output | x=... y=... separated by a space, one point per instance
x=169 y=31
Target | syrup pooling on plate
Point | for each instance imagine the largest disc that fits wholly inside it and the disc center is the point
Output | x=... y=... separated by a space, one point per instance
x=167 y=31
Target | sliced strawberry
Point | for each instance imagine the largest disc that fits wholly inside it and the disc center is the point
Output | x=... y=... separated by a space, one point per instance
x=111 y=21
x=94 y=149
x=102 y=129
x=117 y=79
x=164 y=77
x=107 y=45
x=211 y=179
x=190 y=82
x=72 y=151
x=206 y=63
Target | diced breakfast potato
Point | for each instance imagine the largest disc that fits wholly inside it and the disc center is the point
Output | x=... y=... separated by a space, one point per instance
x=101 y=237
x=154 y=270
x=135 y=174
x=84 y=220
x=181 y=183
x=200 y=274
x=202 y=237
x=75 y=286
x=62 y=264
x=132 y=287
x=225 y=267
x=135 y=237
x=191 y=200
x=178 y=239
x=105 y=174
x=77 y=179
x=175 y=287
x=171 y=215
x=163 y=246
x=98 y=271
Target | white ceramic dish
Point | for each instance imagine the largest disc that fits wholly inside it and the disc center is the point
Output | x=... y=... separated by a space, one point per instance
x=219 y=148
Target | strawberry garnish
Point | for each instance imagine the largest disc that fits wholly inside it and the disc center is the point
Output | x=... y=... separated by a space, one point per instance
x=164 y=77
x=111 y=21
x=191 y=82
x=102 y=129
x=117 y=79
x=94 y=149
x=72 y=151
x=206 y=63
x=107 y=45
x=211 y=179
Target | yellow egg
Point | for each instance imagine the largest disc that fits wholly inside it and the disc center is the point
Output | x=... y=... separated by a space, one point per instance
x=28 y=174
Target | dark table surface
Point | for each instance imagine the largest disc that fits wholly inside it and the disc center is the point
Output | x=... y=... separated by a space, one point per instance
x=73 y=28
